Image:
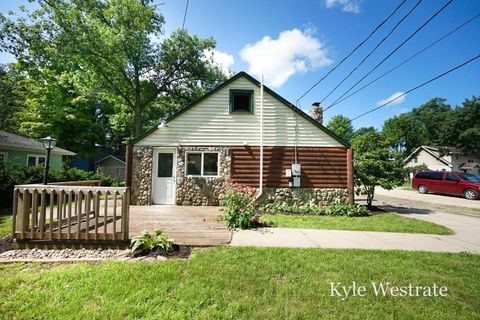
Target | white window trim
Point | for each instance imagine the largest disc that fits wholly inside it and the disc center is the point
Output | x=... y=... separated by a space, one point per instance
x=36 y=156
x=5 y=156
x=201 y=164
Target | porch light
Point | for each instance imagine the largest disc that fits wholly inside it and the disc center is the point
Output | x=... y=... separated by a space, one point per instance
x=49 y=144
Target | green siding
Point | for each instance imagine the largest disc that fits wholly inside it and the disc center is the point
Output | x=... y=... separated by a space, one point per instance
x=17 y=157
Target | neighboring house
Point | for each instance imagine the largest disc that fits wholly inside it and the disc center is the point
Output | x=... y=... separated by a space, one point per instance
x=17 y=150
x=445 y=158
x=112 y=165
x=187 y=159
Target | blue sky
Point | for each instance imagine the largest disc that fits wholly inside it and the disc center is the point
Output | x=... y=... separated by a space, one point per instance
x=295 y=43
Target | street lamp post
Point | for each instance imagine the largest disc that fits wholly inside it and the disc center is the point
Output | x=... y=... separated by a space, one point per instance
x=48 y=143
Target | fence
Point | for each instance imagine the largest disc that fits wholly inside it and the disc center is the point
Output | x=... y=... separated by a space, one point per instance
x=68 y=212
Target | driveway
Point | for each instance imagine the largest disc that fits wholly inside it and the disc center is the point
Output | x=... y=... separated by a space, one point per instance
x=433 y=201
x=187 y=225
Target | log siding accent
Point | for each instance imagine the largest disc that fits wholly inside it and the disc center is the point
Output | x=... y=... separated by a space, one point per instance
x=321 y=167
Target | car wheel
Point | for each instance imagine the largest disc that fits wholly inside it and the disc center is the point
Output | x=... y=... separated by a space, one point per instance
x=422 y=189
x=470 y=194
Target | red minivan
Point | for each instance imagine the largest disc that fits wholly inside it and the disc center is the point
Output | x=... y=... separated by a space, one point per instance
x=454 y=183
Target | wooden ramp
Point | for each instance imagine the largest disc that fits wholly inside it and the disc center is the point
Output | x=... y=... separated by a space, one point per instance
x=187 y=225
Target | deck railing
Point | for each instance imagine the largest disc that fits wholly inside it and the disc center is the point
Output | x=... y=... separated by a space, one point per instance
x=66 y=212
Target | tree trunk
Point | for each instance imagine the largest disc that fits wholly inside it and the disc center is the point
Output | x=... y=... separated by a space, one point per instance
x=370 y=194
x=137 y=113
x=138 y=106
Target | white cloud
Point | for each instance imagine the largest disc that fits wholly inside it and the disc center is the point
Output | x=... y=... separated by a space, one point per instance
x=350 y=6
x=278 y=59
x=393 y=96
x=222 y=59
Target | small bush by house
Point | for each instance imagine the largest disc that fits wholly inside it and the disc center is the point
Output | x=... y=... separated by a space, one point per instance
x=240 y=208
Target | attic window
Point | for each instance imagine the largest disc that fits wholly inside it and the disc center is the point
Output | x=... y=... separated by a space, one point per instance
x=241 y=101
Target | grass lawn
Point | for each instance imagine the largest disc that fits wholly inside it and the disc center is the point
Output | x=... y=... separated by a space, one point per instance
x=244 y=283
x=386 y=222
x=5 y=222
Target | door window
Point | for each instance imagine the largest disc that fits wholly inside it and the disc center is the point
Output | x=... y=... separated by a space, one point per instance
x=165 y=165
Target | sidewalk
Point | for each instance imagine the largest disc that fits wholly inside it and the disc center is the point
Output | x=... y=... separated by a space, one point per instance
x=465 y=239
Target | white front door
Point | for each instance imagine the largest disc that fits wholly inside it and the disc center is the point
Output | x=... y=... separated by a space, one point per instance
x=164 y=169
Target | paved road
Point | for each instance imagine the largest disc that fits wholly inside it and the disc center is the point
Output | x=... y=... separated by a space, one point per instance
x=435 y=199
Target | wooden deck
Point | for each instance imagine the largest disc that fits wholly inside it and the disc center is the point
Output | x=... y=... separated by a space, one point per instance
x=187 y=225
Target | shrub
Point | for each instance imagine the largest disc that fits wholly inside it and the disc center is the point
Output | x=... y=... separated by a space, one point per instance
x=283 y=207
x=239 y=206
x=15 y=175
x=349 y=210
x=147 y=242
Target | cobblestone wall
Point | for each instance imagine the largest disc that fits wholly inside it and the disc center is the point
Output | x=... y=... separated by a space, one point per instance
x=142 y=175
x=302 y=196
x=202 y=191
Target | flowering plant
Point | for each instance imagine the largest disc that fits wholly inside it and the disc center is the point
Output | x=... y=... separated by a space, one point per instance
x=239 y=206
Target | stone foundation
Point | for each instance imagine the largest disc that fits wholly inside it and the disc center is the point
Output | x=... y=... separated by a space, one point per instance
x=202 y=191
x=141 y=191
x=302 y=196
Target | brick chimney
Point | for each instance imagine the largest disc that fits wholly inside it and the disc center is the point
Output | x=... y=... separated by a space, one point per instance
x=317 y=112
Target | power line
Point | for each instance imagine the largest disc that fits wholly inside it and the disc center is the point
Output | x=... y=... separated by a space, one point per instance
x=353 y=51
x=417 y=87
x=405 y=61
x=373 y=50
x=396 y=49
x=185 y=15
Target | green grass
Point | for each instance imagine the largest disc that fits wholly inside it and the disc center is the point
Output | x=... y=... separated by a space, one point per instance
x=5 y=222
x=244 y=283
x=386 y=222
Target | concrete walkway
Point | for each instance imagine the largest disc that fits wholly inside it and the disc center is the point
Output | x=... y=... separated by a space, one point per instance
x=465 y=239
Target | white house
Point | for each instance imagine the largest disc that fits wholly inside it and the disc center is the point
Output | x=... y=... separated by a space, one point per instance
x=445 y=158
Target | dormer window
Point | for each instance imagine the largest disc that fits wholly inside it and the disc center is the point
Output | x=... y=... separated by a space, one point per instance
x=241 y=101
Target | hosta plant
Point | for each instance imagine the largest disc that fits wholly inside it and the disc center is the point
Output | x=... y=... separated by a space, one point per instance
x=148 y=242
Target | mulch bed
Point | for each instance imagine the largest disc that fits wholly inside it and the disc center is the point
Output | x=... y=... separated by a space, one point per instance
x=6 y=244
x=179 y=252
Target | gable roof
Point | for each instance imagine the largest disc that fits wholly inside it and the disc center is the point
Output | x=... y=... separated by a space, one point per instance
x=257 y=83
x=433 y=151
x=110 y=156
x=15 y=142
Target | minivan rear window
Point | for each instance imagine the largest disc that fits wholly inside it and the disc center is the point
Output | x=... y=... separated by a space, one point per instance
x=430 y=175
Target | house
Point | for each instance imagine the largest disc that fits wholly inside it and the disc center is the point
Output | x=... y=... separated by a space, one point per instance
x=112 y=166
x=18 y=150
x=187 y=159
x=444 y=158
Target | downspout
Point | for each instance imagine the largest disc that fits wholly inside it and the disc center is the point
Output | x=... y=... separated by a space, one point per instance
x=260 y=189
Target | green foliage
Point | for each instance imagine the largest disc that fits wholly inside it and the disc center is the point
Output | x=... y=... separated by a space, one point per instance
x=148 y=242
x=283 y=207
x=338 y=209
x=240 y=208
x=375 y=164
x=436 y=123
x=342 y=127
x=347 y=210
x=84 y=56
x=16 y=175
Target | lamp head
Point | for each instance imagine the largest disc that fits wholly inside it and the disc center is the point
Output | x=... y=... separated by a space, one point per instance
x=49 y=143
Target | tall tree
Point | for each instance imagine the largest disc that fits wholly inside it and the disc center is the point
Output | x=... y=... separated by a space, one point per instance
x=111 y=50
x=10 y=102
x=462 y=126
x=342 y=127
